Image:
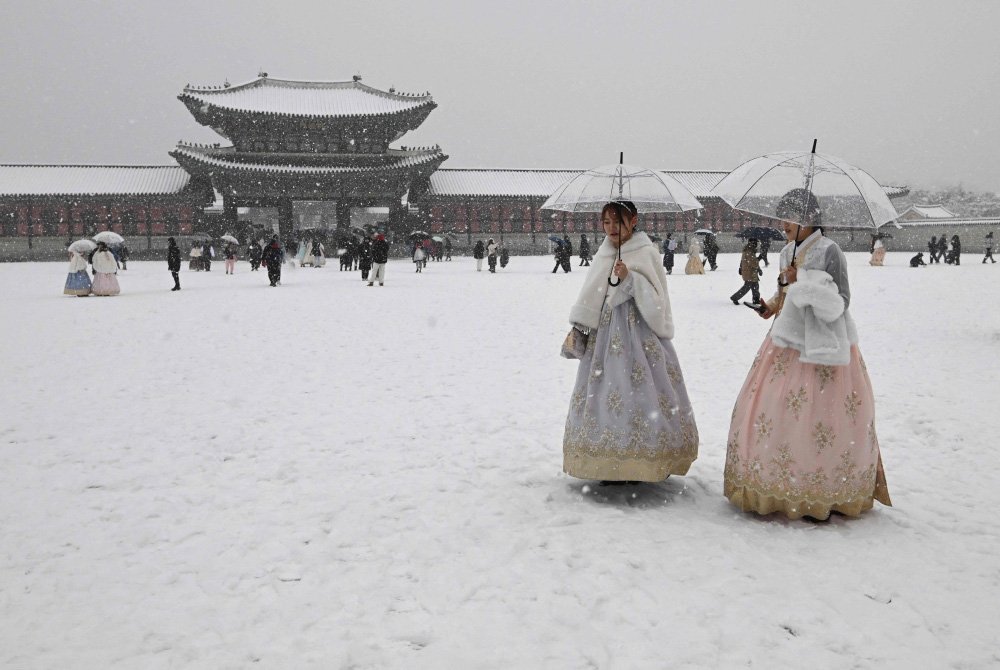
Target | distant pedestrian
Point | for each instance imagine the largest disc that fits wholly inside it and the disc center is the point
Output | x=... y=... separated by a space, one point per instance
x=504 y=256
x=254 y=252
x=365 y=258
x=229 y=253
x=195 y=255
x=439 y=251
x=123 y=253
x=669 y=248
x=272 y=258
x=428 y=250
x=954 y=256
x=584 y=251
x=478 y=252
x=419 y=256
x=694 y=265
x=447 y=248
x=711 y=251
x=942 y=246
x=77 y=281
x=750 y=272
x=917 y=260
x=932 y=247
x=878 y=253
x=567 y=259
x=380 y=256
x=491 y=255
x=105 y=272
x=207 y=254
x=765 y=247
x=989 y=247
x=174 y=262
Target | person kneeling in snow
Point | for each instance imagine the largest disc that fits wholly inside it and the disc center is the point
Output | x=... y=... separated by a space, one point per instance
x=917 y=260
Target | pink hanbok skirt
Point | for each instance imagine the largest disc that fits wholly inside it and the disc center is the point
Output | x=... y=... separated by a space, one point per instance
x=802 y=439
x=106 y=283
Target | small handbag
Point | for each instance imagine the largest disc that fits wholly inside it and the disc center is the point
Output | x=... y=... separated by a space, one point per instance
x=575 y=344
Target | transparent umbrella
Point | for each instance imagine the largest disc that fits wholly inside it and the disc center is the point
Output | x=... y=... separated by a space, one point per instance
x=847 y=196
x=649 y=190
x=109 y=237
x=83 y=246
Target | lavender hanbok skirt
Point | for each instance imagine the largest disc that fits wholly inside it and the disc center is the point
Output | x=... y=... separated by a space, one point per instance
x=630 y=418
x=77 y=283
x=106 y=283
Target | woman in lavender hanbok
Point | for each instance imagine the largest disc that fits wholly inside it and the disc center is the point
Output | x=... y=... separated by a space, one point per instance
x=802 y=439
x=629 y=418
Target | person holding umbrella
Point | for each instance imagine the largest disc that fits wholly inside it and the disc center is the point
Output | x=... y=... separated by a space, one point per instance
x=447 y=248
x=630 y=418
x=419 y=256
x=105 y=271
x=750 y=272
x=711 y=250
x=78 y=281
x=229 y=253
x=271 y=258
x=802 y=439
x=174 y=262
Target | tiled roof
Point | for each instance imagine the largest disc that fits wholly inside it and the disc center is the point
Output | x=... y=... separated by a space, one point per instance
x=931 y=211
x=302 y=98
x=542 y=183
x=951 y=221
x=91 y=180
x=403 y=159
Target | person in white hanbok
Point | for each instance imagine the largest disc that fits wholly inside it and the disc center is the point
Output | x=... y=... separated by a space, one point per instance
x=105 y=272
x=78 y=281
x=630 y=418
x=694 y=265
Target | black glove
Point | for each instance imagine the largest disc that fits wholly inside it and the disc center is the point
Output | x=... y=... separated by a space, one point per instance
x=760 y=273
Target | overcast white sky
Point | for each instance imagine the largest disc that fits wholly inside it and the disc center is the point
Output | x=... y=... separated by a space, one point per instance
x=906 y=90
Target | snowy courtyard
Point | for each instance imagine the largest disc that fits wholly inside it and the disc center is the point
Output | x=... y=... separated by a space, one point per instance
x=334 y=476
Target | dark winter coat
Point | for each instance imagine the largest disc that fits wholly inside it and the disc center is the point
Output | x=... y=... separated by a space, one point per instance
x=479 y=251
x=255 y=253
x=272 y=255
x=749 y=265
x=917 y=261
x=173 y=258
x=584 y=248
x=380 y=251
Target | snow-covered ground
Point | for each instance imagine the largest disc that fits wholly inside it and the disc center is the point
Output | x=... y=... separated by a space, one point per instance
x=334 y=476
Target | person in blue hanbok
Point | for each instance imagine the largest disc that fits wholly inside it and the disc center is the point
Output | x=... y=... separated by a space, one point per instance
x=630 y=418
x=78 y=281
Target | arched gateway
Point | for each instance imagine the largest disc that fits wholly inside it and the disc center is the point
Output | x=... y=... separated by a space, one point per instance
x=295 y=140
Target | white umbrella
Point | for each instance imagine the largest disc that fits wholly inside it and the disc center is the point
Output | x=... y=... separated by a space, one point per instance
x=229 y=238
x=109 y=237
x=82 y=246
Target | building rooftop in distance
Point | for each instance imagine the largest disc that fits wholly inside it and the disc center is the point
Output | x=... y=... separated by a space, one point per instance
x=91 y=180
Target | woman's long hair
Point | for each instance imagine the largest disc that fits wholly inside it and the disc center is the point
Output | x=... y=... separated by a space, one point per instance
x=790 y=207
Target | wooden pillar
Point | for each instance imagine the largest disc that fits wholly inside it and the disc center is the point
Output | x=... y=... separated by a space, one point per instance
x=285 y=219
x=149 y=226
x=229 y=216
x=344 y=215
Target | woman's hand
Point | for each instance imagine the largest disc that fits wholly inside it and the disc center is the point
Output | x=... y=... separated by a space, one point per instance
x=791 y=274
x=621 y=270
x=766 y=312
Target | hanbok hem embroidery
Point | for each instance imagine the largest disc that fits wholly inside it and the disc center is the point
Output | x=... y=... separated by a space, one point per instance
x=615 y=468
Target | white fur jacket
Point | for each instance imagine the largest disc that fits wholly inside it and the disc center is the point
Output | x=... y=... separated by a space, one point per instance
x=815 y=321
x=646 y=283
x=104 y=261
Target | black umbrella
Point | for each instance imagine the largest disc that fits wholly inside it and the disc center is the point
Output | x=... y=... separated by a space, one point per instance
x=761 y=233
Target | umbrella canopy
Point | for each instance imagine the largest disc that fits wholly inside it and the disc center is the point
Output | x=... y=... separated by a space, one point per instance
x=229 y=238
x=648 y=190
x=557 y=240
x=845 y=196
x=109 y=237
x=438 y=238
x=704 y=231
x=419 y=235
x=761 y=233
x=82 y=246
x=200 y=237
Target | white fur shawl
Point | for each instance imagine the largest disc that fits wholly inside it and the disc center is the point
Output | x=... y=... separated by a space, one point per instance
x=104 y=261
x=814 y=321
x=646 y=282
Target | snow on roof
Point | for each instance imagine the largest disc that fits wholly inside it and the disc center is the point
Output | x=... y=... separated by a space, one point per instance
x=88 y=180
x=307 y=98
x=542 y=183
x=931 y=211
x=188 y=154
x=956 y=221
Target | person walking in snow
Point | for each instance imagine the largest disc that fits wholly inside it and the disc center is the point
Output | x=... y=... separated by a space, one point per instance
x=105 y=272
x=989 y=248
x=750 y=272
x=174 y=262
x=942 y=248
x=207 y=254
x=694 y=265
x=567 y=259
x=365 y=258
x=711 y=251
x=669 y=248
x=380 y=256
x=447 y=248
x=272 y=258
x=254 y=252
x=229 y=253
x=123 y=253
x=584 y=251
x=491 y=255
x=932 y=247
x=954 y=257
x=802 y=439
x=504 y=256
x=630 y=418
x=419 y=256
x=479 y=252
x=77 y=281
x=765 y=248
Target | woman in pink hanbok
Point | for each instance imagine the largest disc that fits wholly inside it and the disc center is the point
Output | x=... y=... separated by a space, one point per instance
x=802 y=439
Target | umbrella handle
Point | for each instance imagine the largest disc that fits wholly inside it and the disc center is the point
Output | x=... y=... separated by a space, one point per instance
x=614 y=283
